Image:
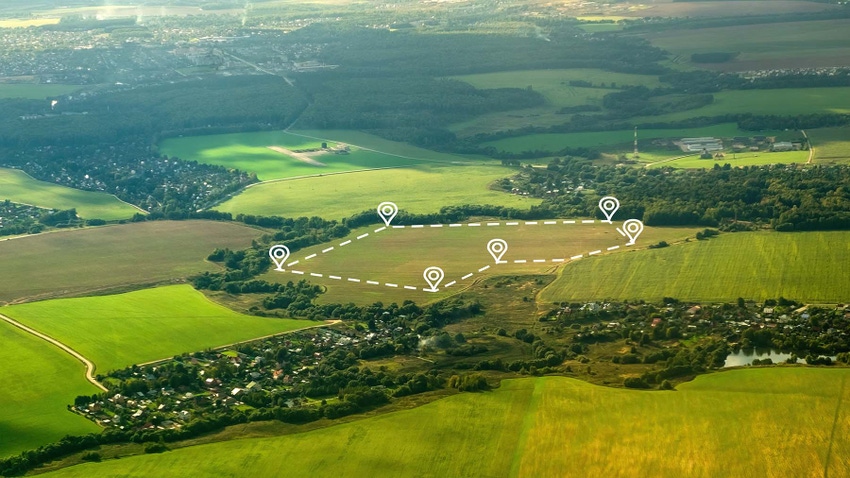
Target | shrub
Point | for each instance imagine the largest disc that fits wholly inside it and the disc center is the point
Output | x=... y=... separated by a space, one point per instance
x=635 y=382
x=91 y=456
x=155 y=448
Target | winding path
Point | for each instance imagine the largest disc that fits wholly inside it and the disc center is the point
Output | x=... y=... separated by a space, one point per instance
x=811 y=148
x=88 y=363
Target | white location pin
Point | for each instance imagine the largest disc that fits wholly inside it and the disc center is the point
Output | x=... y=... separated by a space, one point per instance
x=433 y=276
x=609 y=206
x=632 y=229
x=497 y=248
x=387 y=211
x=278 y=254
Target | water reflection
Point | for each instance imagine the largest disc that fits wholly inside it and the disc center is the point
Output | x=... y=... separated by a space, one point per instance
x=746 y=357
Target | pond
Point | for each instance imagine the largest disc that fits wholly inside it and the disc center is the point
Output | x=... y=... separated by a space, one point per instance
x=745 y=357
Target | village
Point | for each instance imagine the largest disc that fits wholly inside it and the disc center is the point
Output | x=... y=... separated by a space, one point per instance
x=300 y=370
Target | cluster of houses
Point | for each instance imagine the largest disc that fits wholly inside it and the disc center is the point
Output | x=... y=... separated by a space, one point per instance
x=719 y=319
x=255 y=368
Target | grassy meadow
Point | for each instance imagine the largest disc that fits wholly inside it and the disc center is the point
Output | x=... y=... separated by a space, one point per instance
x=34 y=91
x=74 y=262
x=782 y=101
x=554 y=86
x=39 y=380
x=400 y=256
x=27 y=22
x=599 y=139
x=421 y=189
x=739 y=160
x=17 y=186
x=376 y=143
x=250 y=152
x=804 y=266
x=116 y=331
x=555 y=426
x=832 y=145
x=772 y=45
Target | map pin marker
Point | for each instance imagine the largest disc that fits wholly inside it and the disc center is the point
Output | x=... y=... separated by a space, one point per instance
x=632 y=229
x=278 y=254
x=433 y=276
x=387 y=211
x=609 y=206
x=497 y=248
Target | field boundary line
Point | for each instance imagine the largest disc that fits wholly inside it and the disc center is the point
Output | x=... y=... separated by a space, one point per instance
x=90 y=367
x=834 y=425
x=357 y=280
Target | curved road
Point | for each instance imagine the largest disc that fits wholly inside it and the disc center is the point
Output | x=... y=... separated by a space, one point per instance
x=88 y=363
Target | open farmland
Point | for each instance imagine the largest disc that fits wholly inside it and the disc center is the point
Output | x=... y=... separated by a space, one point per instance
x=809 y=44
x=33 y=91
x=400 y=256
x=605 y=140
x=804 y=266
x=19 y=187
x=28 y=22
x=422 y=189
x=781 y=101
x=376 y=143
x=172 y=320
x=39 y=381
x=556 y=426
x=252 y=152
x=738 y=160
x=554 y=86
x=832 y=145
x=114 y=257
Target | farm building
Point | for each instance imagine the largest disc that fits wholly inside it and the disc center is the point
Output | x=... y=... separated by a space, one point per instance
x=782 y=146
x=694 y=145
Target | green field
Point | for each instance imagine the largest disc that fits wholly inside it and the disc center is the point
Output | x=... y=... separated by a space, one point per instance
x=831 y=144
x=34 y=91
x=739 y=160
x=804 y=266
x=250 y=152
x=376 y=143
x=421 y=189
x=39 y=380
x=785 y=101
x=768 y=422
x=400 y=256
x=82 y=261
x=17 y=186
x=774 y=45
x=116 y=331
x=27 y=22
x=554 y=84
x=601 y=139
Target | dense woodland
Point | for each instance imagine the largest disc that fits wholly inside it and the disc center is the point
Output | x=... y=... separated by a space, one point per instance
x=784 y=197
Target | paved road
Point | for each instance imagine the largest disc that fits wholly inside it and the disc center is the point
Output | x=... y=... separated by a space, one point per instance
x=88 y=363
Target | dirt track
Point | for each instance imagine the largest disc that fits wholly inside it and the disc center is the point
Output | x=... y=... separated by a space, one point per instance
x=304 y=158
x=88 y=363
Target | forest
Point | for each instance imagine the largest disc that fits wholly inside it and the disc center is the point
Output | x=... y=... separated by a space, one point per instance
x=784 y=197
